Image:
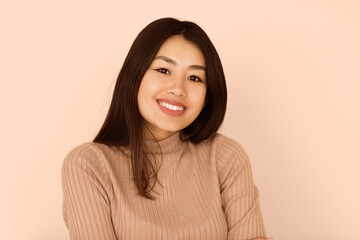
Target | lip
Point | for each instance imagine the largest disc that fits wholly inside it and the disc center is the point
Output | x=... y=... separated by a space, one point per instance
x=170 y=111
x=172 y=102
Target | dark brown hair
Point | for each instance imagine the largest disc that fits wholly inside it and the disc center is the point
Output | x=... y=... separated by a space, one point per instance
x=123 y=124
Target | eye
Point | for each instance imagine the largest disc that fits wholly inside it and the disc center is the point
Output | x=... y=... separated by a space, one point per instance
x=195 y=78
x=163 y=70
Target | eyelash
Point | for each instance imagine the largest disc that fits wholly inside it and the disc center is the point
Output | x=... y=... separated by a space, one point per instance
x=198 y=79
x=165 y=71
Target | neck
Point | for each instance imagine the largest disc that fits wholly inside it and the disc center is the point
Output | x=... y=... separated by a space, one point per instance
x=156 y=136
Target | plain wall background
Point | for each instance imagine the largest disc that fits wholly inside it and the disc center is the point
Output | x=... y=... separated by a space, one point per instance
x=293 y=75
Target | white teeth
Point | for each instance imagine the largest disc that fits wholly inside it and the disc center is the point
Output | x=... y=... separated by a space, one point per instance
x=172 y=107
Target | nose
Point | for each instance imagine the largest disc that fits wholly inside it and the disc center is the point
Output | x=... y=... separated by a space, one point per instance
x=177 y=87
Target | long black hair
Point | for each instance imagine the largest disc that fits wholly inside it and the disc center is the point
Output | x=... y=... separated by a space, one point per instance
x=123 y=124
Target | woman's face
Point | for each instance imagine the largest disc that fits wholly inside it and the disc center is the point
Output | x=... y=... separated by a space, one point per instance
x=173 y=89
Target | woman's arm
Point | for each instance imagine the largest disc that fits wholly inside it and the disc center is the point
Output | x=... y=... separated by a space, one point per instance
x=86 y=206
x=239 y=195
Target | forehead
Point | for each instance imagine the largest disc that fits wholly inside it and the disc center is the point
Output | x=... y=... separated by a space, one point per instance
x=181 y=50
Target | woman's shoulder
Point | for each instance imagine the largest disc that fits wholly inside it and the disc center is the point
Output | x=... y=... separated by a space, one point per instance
x=86 y=162
x=226 y=143
x=89 y=154
x=227 y=148
x=86 y=148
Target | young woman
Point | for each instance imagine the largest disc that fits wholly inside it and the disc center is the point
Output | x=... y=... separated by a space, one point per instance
x=157 y=168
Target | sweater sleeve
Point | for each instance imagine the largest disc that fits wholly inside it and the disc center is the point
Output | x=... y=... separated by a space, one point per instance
x=86 y=204
x=239 y=195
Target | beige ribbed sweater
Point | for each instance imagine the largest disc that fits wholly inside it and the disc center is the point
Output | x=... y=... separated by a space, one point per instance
x=208 y=193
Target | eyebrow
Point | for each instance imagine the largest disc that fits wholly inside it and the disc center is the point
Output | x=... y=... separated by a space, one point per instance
x=173 y=62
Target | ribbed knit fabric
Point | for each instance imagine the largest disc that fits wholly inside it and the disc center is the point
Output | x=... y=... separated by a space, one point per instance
x=207 y=192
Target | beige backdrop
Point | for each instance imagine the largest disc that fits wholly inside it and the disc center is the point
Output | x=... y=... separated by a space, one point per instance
x=293 y=74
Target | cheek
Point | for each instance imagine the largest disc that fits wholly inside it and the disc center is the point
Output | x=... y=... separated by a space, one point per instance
x=144 y=90
x=141 y=94
x=149 y=86
x=198 y=98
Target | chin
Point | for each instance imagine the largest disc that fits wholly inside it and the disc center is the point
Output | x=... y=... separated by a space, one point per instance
x=172 y=129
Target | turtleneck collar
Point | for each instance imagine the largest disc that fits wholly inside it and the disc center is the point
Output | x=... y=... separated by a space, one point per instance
x=167 y=145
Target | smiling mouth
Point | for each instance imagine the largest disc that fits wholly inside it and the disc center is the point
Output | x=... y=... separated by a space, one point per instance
x=173 y=107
